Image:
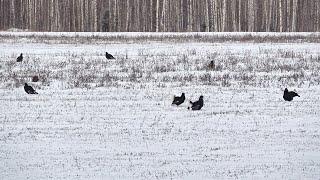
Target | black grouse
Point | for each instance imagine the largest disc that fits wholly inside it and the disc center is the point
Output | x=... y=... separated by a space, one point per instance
x=29 y=89
x=109 y=56
x=177 y=100
x=35 y=78
x=20 y=58
x=288 y=95
x=211 y=66
x=197 y=105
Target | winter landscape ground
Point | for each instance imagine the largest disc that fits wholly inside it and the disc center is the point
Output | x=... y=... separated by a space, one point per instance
x=112 y=119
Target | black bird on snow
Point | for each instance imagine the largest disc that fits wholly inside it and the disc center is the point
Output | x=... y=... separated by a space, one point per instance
x=211 y=66
x=29 y=89
x=288 y=95
x=20 y=58
x=109 y=56
x=197 y=105
x=177 y=100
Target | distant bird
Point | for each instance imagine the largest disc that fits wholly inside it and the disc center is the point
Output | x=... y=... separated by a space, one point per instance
x=177 y=100
x=35 y=78
x=29 y=89
x=20 y=58
x=197 y=105
x=109 y=56
x=211 y=66
x=288 y=95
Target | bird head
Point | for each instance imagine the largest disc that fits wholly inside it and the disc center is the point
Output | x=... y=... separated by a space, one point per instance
x=25 y=84
x=285 y=90
x=201 y=97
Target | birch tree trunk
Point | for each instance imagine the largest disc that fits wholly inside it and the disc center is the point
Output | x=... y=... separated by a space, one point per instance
x=206 y=7
x=157 y=16
x=280 y=16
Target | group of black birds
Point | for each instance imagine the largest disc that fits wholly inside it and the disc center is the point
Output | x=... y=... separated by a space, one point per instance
x=177 y=100
x=28 y=89
x=197 y=105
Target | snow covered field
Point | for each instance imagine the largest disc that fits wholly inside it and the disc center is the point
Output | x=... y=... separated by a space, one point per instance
x=112 y=119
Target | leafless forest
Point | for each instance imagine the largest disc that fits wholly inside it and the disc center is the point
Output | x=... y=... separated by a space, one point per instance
x=161 y=15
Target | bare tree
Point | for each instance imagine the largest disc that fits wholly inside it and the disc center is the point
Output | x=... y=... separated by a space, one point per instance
x=161 y=15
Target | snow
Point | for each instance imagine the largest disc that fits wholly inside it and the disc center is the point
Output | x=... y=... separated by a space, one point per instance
x=126 y=128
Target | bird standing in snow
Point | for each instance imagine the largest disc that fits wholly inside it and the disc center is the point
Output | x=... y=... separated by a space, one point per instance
x=197 y=105
x=20 y=58
x=177 y=100
x=211 y=66
x=35 y=78
x=289 y=95
x=109 y=56
x=29 y=89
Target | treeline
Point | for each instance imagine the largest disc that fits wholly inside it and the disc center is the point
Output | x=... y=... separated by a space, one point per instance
x=161 y=15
